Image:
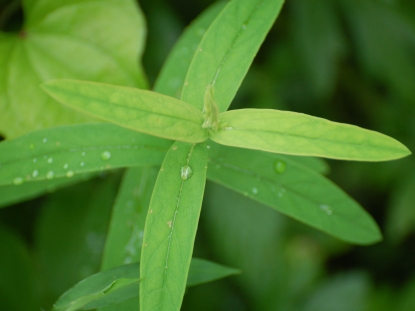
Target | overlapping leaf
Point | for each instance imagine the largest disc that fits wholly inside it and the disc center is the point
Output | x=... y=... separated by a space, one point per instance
x=121 y=283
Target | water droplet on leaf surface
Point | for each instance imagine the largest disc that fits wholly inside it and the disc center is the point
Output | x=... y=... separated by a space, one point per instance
x=254 y=190
x=186 y=172
x=326 y=208
x=280 y=166
x=69 y=174
x=106 y=155
x=50 y=160
x=50 y=175
x=35 y=173
x=18 y=181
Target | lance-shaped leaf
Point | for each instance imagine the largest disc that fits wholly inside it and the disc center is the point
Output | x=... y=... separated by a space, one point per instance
x=172 y=75
x=294 y=190
x=171 y=227
x=141 y=110
x=299 y=134
x=121 y=283
x=227 y=49
x=70 y=150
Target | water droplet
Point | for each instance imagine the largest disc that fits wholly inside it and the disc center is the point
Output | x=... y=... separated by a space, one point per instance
x=106 y=155
x=228 y=128
x=243 y=26
x=326 y=208
x=186 y=172
x=174 y=147
x=65 y=166
x=18 y=181
x=208 y=146
x=50 y=160
x=50 y=175
x=83 y=154
x=82 y=163
x=45 y=140
x=32 y=146
x=34 y=160
x=245 y=193
x=69 y=174
x=280 y=166
x=254 y=190
x=35 y=173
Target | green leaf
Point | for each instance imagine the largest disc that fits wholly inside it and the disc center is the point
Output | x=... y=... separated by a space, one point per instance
x=299 y=134
x=227 y=49
x=125 y=236
x=171 y=227
x=172 y=75
x=121 y=283
x=60 y=39
x=66 y=151
x=203 y=271
x=294 y=191
x=11 y=194
x=140 y=110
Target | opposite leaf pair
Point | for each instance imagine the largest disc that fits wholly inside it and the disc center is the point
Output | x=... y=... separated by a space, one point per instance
x=261 y=129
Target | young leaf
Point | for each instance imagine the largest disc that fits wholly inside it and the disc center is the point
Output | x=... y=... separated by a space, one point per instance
x=121 y=283
x=140 y=110
x=171 y=226
x=290 y=188
x=60 y=39
x=299 y=134
x=172 y=75
x=124 y=239
x=227 y=49
x=70 y=150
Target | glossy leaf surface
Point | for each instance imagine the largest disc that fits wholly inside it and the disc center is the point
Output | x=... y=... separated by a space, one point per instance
x=299 y=134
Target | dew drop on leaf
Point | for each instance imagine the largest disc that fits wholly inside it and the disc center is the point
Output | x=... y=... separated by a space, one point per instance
x=82 y=163
x=65 y=166
x=32 y=146
x=69 y=174
x=326 y=209
x=35 y=173
x=18 y=181
x=50 y=160
x=106 y=155
x=254 y=190
x=50 y=175
x=186 y=172
x=280 y=166
x=45 y=140
x=34 y=160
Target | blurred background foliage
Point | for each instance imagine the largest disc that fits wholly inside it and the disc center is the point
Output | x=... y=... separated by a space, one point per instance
x=349 y=61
